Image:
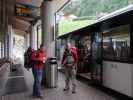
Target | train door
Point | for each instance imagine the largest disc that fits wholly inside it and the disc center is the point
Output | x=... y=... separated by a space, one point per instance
x=96 y=57
x=84 y=55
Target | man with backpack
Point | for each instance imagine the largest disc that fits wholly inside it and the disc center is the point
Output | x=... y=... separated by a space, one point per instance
x=69 y=62
x=38 y=58
x=27 y=58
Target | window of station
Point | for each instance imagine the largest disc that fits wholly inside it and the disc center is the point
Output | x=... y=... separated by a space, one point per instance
x=39 y=33
x=0 y=49
x=116 y=44
x=57 y=51
x=61 y=47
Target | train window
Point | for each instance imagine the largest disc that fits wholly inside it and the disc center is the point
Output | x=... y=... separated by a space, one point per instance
x=116 y=43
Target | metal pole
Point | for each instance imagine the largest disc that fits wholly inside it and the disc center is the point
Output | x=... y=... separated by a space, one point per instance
x=37 y=37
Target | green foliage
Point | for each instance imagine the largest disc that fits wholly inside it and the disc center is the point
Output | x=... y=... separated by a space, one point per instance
x=94 y=7
x=68 y=26
x=87 y=11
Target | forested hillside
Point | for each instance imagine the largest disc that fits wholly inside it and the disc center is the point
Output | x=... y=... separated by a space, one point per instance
x=88 y=11
x=94 y=7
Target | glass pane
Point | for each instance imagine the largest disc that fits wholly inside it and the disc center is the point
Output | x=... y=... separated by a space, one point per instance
x=96 y=46
x=96 y=56
x=116 y=44
x=0 y=48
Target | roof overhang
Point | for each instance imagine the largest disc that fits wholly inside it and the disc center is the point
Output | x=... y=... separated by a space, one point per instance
x=23 y=22
x=59 y=4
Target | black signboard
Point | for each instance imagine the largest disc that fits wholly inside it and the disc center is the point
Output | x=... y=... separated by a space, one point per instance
x=24 y=10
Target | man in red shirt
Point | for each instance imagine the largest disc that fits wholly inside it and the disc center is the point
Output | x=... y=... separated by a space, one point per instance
x=69 y=61
x=38 y=58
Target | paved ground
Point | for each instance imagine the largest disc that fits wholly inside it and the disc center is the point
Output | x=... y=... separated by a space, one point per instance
x=4 y=72
x=84 y=92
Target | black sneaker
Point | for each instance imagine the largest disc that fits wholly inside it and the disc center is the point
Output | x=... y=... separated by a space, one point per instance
x=65 y=89
x=73 y=92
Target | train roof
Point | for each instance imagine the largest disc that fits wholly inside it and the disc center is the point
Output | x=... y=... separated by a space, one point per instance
x=116 y=13
x=107 y=18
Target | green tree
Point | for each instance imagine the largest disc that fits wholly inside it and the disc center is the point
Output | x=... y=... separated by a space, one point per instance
x=94 y=7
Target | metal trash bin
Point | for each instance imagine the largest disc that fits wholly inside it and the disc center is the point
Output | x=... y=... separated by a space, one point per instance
x=52 y=73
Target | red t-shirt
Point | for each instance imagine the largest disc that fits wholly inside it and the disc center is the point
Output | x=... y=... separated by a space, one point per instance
x=38 y=58
x=74 y=54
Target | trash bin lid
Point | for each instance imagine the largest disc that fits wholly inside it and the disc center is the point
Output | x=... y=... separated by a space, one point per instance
x=52 y=60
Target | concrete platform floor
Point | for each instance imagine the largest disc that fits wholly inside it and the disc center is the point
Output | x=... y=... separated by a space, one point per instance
x=84 y=92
